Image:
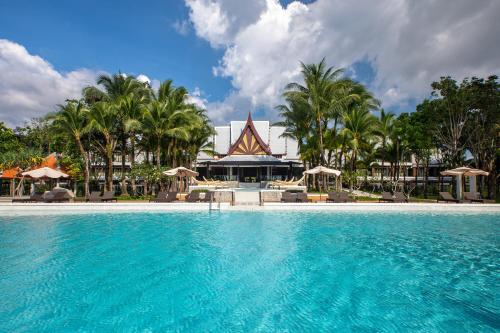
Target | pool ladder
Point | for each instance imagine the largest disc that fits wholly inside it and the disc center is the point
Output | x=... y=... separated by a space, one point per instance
x=210 y=205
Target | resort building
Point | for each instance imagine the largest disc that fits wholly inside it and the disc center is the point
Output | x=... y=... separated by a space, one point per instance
x=251 y=152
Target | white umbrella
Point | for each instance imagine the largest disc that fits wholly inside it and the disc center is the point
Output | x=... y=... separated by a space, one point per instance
x=44 y=172
x=321 y=170
x=180 y=172
x=465 y=171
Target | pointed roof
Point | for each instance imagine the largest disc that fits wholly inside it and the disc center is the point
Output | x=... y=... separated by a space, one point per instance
x=249 y=142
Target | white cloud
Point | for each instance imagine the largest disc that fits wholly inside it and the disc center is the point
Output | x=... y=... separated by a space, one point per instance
x=30 y=87
x=196 y=98
x=143 y=78
x=408 y=43
x=182 y=27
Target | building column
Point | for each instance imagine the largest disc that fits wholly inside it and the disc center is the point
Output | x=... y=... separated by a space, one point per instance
x=268 y=173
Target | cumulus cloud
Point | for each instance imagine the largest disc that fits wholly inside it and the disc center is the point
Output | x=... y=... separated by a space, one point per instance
x=31 y=87
x=408 y=43
x=181 y=26
x=196 y=97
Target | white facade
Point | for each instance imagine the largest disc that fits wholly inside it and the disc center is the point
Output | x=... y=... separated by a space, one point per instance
x=281 y=147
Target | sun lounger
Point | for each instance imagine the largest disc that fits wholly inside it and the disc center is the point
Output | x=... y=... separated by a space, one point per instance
x=109 y=196
x=344 y=197
x=446 y=197
x=386 y=197
x=333 y=197
x=192 y=197
x=302 y=197
x=209 y=197
x=57 y=197
x=288 y=197
x=475 y=197
x=33 y=198
x=95 y=196
x=160 y=196
x=400 y=197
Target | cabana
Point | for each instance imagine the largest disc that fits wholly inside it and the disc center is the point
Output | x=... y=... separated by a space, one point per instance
x=181 y=172
x=468 y=172
x=321 y=170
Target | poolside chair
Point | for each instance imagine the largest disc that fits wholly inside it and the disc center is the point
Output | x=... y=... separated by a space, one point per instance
x=333 y=197
x=288 y=197
x=108 y=196
x=209 y=197
x=446 y=197
x=400 y=197
x=192 y=197
x=344 y=197
x=475 y=197
x=160 y=196
x=95 y=196
x=57 y=197
x=302 y=197
x=386 y=197
x=35 y=197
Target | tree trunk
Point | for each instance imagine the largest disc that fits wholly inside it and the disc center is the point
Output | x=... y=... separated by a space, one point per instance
x=132 y=163
x=109 y=156
x=426 y=177
x=124 y=154
x=86 y=171
x=158 y=153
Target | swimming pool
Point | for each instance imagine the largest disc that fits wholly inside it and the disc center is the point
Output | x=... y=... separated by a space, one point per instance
x=250 y=271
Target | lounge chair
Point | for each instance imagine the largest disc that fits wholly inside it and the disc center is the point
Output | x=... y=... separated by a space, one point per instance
x=400 y=197
x=209 y=197
x=58 y=197
x=386 y=197
x=160 y=196
x=95 y=196
x=35 y=197
x=109 y=196
x=446 y=197
x=475 y=197
x=288 y=197
x=166 y=197
x=302 y=197
x=192 y=197
x=333 y=197
x=344 y=197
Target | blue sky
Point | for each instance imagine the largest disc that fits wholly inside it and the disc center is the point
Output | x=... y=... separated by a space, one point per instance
x=236 y=57
x=133 y=37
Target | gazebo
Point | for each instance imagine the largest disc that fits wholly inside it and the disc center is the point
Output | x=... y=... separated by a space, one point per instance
x=321 y=170
x=181 y=172
x=468 y=172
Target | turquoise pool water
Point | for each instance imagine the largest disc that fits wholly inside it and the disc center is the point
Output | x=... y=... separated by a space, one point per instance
x=243 y=271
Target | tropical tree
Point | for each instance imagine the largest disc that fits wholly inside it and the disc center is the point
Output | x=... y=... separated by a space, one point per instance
x=73 y=119
x=103 y=120
x=384 y=130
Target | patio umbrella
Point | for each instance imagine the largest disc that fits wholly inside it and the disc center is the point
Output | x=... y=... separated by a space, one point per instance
x=321 y=170
x=181 y=172
x=465 y=171
x=44 y=173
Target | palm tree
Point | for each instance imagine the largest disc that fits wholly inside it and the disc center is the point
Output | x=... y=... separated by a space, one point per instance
x=103 y=120
x=116 y=88
x=319 y=82
x=72 y=119
x=384 y=130
x=132 y=107
x=358 y=128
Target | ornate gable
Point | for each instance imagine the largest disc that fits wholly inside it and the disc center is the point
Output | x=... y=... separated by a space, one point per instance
x=249 y=142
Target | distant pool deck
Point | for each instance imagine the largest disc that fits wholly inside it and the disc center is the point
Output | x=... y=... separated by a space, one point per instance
x=145 y=207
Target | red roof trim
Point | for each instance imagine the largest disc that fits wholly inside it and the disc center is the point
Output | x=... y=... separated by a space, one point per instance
x=249 y=129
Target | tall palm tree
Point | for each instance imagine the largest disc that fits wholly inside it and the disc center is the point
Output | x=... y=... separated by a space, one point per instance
x=358 y=128
x=317 y=92
x=132 y=107
x=384 y=130
x=72 y=119
x=116 y=88
x=103 y=120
